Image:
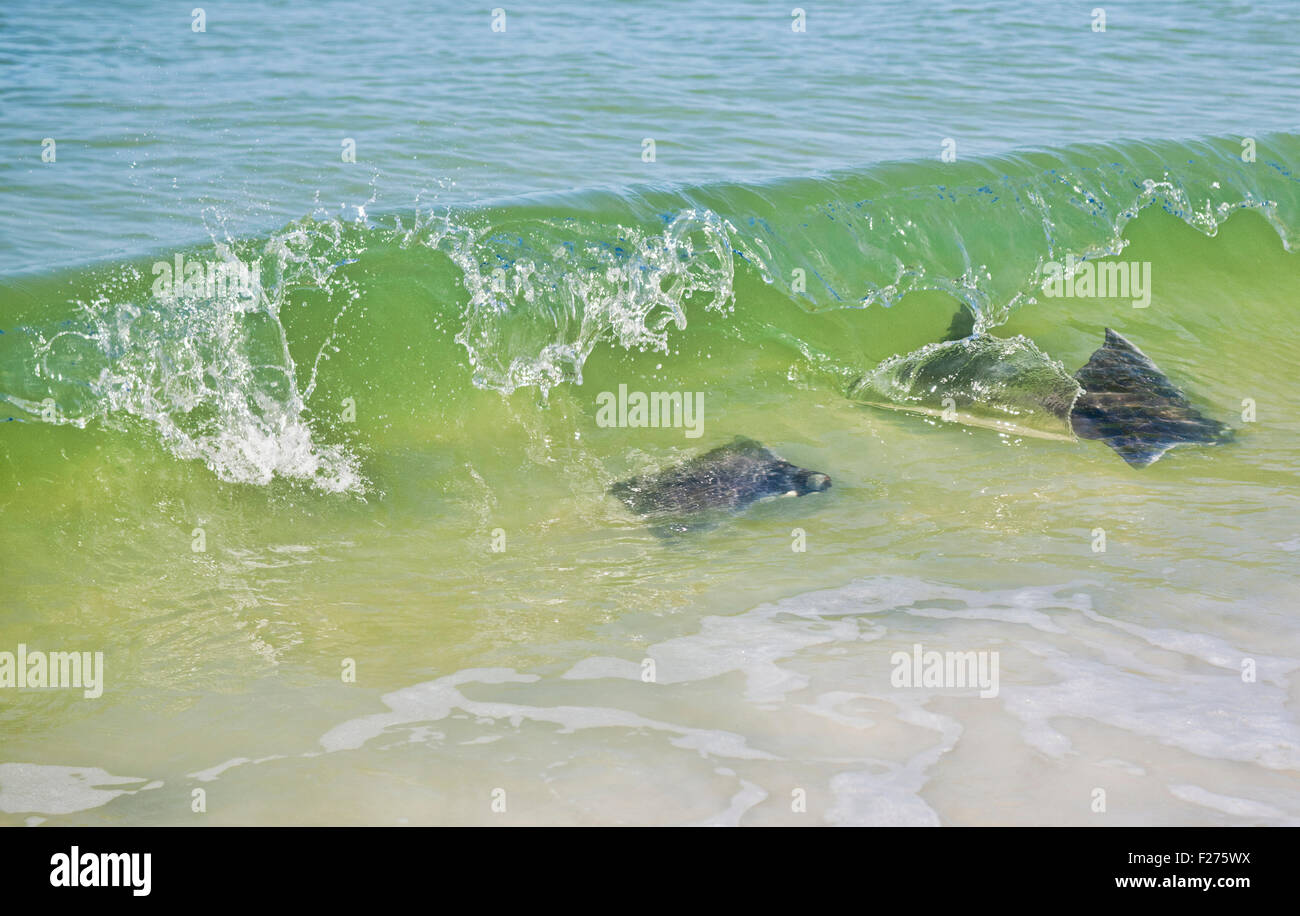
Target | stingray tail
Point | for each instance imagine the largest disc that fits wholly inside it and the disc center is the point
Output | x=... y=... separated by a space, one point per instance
x=1129 y=404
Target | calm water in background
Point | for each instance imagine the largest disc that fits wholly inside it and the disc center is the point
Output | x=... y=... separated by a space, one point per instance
x=166 y=136
x=440 y=315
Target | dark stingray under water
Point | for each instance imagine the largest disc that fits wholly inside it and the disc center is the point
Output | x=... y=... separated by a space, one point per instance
x=1126 y=401
x=728 y=479
x=1129 y=404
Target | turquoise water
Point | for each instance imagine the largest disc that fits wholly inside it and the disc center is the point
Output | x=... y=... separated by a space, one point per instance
x=342 y=534
x=166 y=137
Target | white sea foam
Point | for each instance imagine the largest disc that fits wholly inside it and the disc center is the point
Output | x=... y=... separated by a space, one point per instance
x=435 y=700
x=795 y=695
x=1238 y=807
x=49 y=789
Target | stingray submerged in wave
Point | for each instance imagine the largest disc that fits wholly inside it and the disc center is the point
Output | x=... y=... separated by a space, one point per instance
x=1119 y=396
x=728 y=479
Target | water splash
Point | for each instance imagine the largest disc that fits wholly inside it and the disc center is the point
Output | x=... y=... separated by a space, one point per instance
x=211 y=370
x=545 y=293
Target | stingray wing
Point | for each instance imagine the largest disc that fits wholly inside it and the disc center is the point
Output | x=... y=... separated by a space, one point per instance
x=1129 y=404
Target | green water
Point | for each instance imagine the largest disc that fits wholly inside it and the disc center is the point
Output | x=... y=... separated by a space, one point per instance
x=343 y=534
x=380 y=551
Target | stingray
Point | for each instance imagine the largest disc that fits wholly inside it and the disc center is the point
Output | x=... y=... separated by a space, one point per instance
x=1129 y=404
x=1120 y=396
x=725 y=480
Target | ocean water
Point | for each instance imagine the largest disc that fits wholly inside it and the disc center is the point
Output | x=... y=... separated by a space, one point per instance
x=338 y=519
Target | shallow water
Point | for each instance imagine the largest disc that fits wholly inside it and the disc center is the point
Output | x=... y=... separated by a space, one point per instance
x=239 y=500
